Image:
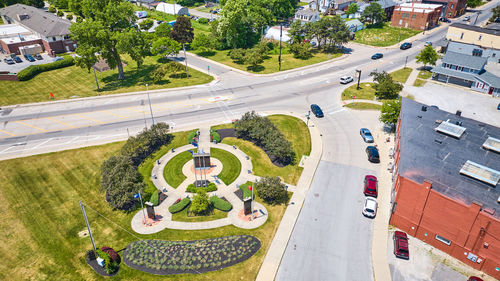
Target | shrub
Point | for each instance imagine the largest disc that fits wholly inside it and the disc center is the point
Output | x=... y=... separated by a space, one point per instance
x=79 y=19
x=60 y=13
x=200 y=203
x=154 y=198
x=211 y=187
x=237 y=55
x=191 y=137
x=203 y=21
x=271 y=190
x=33 y=70
x=52 y=9
x=69 y=16
x=109 y=265
x=301 y=50
x=220 y=204
x=146 y=142
x=215 y=136
x=179 y=206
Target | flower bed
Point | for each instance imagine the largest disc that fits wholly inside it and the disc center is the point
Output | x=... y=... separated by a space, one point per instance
x=198 y=256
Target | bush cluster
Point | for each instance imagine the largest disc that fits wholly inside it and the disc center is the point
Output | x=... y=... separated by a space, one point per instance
x=33 y=70
x=109 y=265
x=179 y=206
x=262 y=132
x=60 y=13
x=221 y=204
x=119 y=176
x=215 y=136
x=155 y=198
x=203 y=21
x=271 y=190
x=211 y=187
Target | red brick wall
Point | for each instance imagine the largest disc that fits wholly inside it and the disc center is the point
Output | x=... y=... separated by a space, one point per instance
x=423 y=213
x=420 y=20
x=8 y=77
x=58 y=46
x=14 y=48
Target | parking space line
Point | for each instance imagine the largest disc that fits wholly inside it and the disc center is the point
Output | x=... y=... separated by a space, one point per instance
x=5 y=132
x=112 y=114
x=61 y=122
x=88 y=118
x=32 y=126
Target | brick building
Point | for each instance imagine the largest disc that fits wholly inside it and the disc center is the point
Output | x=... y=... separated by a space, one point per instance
x=446 y=182
x=416 y=15
x=451 y=8
x=51 y=31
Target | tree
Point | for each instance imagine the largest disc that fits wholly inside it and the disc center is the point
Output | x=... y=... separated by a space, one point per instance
x=238 y=55
x=146 y=24
x=390 y=111
x=352 y=9
x=427 y=56
x=301 y=50
x=200 y=202
x=254 y=57
x=496 y=14
x=182 y=32
x=163 y=30
x=297 y=32
x=159 y=73
x=107 y=31
x=373 y=13
x=271 y=190
x=473 y=3
x=75 y=6
x=204 y=42
x=283 y=9
x=335 y=32
x=165 y=46
x=385 y=87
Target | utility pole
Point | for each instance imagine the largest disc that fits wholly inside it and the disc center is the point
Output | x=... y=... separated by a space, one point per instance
x=185 y=59
x=477 y=16
x=279 y=57
x=358 y=73
x=97 y=82
x=150 y=108
x=406 y=61
x=88 y=226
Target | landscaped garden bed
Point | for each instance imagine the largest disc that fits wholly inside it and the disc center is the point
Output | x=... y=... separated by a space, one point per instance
x=197 y=256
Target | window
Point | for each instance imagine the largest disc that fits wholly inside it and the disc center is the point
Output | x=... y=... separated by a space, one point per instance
x=413 y=16
x=462 y=36
x=477 y=52
x=53 y=39
x=451 y=7
x=444 y=240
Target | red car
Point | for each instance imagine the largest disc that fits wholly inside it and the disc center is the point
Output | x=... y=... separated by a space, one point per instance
x=371 y=184
x=401 y=245
x=474 y=278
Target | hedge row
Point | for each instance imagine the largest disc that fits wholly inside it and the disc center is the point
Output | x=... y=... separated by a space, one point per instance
x=220 y=204
x=33 y=70
x=215 y=136
x=179 y=206
x=211 y=187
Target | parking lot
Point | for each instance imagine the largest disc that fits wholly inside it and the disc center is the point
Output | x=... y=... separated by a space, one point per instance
x=15 y=68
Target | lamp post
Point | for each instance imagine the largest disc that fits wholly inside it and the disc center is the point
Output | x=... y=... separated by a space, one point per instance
x=477 y=16
x=150 y=108
x=95 y=76
x=281 y=34
x=308 y=116
x=358 y=74
x=406 y=61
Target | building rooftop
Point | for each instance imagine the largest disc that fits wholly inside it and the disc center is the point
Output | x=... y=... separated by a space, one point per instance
x=37 y=20
x=489 y=29
x=470 y=61
x=417 y=7
x=306 y=12
x=427 y=154
x=9 y=30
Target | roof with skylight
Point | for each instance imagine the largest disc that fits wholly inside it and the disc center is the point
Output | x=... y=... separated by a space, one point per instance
x=450 y=129
x=492 y=144
x=480 y=172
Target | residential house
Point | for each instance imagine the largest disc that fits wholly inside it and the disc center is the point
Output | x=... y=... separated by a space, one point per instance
x=307 y=15
x=475 y=40
x=387 y=5
x=416 y=15
x=446 y=184
x=354 y=25
x=46 y=29
x=451 y=8
x=342 y=5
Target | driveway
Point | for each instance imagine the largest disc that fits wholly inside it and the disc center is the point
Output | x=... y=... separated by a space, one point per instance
x=474 y=105
x=15 y=68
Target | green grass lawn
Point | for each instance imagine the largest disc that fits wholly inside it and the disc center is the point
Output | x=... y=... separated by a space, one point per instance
x=419 y=83
x=365 y=92
x=401 y=75
x=296 y=132
x=363 y=106
x=40 y=218
x=424 y=74
x=173 y=170
x=384 y=36
x=182 y=216
x=231 y=166
x=74 y=81
x=146 y=167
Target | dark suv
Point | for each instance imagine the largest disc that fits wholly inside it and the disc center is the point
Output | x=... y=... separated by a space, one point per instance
x=317 y=110
x=372 y=153
x=401 y=245
x=405 y=46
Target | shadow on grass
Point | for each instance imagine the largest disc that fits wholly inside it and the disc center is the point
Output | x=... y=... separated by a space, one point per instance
x=134 y=77
x=256 y=68
x=206 y=54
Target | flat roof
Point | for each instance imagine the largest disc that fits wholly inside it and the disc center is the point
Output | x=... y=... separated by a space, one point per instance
x=493 y=30
x=18 y=39
x=8 y=30
x=427 y=155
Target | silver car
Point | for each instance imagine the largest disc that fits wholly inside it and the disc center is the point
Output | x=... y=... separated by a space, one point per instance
x=370 y=208
x=366 y=135
x=346 y=79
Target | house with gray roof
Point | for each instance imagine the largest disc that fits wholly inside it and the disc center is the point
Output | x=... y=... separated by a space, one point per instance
x=52 y=31
x=307 y=15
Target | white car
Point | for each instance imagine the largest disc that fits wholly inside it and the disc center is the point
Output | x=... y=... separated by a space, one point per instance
x=370 y=208
x=466 y=18
x=346 y=79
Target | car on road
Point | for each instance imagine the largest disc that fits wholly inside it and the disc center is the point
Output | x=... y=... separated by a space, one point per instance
x=371 y=184
x=474 y=278
x=372 y=153
x=405 y=46
x=29 y=57
x=401 y=249
x=428 y=43
x=370 y=207
x=443 y=19
x=346 y=79
x=377 y=56
x=366 y=135
x=38 y=57
x=317 y=110
x=17 y=59
x=9 y=61
x=466 y=18
x=498 y=107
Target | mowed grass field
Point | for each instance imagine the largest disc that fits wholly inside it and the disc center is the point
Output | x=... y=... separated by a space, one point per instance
x=384 y=36
x=296 y=132
x=173 y=170
x=40 y=219
x=231 y=166
x=75 y=82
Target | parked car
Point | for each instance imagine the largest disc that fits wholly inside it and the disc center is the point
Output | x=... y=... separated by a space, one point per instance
x=366 y=135
x=38 y=57
x=498 y=107
x=370 y=207
x=371 y=185
x=377 y=56
x=29 y=57
x=405 y=46
x=18 y=59
x=443 y=19
x=9 y=61
x=372 y=153
x=346 y=79
x=401 y=249
x=317 y=110
x=428 y=43
x=466 y=18
x=434 y=106
x=474 y=278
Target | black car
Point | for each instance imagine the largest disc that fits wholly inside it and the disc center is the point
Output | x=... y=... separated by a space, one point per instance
x=317 y=110
x=372 y=153
x=377 y=56
x=29 y=57
x=17 y=59
x=9 y=61
x=444 y=20
x=405 y=46
x=38 y=57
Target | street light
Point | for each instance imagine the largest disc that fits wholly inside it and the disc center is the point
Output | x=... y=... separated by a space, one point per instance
x=150 y=109
x=477 y=16
x=358 y=75
x=279 y=57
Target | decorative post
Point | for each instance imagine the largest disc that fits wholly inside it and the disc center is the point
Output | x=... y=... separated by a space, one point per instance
x=358 y=75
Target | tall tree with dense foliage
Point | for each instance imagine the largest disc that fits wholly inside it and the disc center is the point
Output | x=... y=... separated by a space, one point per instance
x=427 y=56
x=389 y=113
x=297 y=32
x=271 y=190
x=352 y=9
x=473 y=3
x=374 y=13
x=182 y=32
x=385 y=87
x=283 y=9
x=200 y=202
x=108 y=31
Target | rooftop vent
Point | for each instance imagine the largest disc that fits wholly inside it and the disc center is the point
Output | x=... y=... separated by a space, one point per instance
x=492 y=144
x=424 y=108
x=459 y=113
x=480 y=172
x=450 y=129
x=23 y=17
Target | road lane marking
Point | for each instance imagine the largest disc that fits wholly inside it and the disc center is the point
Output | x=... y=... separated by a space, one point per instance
x=112 y=114
x=61 y=122
x=89 y=118
x=336 y=111
x=6 y=149
x=136 y=110
x=5 y=132
x=32 y=126
x=42 y=143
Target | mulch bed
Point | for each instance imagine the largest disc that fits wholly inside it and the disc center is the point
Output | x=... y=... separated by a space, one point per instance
x=99 y=269
x=198 y=256
x=239 y=193
x=226 y=133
